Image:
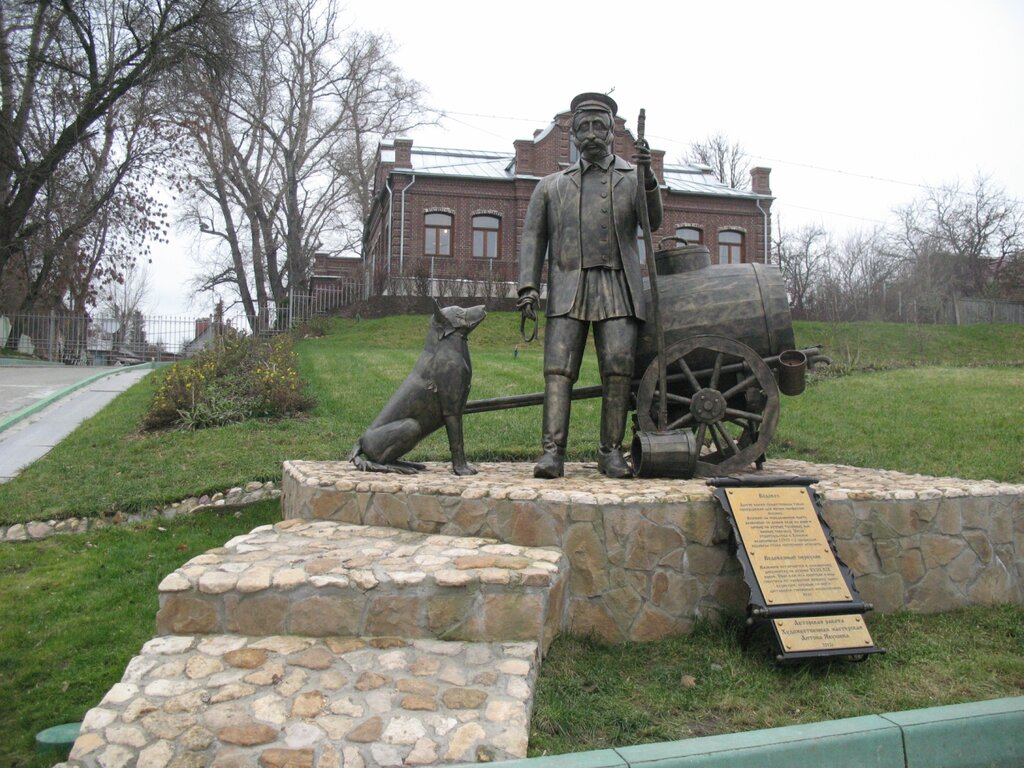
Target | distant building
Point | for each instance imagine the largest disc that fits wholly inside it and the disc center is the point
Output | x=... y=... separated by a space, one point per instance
x=443 y=217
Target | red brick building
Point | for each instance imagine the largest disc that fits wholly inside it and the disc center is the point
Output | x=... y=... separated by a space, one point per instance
x=441 y=216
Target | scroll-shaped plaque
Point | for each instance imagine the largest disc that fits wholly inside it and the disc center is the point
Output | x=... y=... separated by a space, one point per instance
x=799 y=587
x=791 y=558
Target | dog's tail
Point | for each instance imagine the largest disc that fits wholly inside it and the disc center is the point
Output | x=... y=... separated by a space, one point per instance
x=355 y=450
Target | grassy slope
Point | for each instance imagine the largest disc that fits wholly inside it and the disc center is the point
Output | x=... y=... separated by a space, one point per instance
x=895 y=345
x=108 y=464
x=966 y=422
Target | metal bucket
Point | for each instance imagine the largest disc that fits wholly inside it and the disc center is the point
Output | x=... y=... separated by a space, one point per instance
x=792 y=372
x=664 y=454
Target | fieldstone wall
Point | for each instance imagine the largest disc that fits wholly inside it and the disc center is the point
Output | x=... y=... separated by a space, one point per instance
x=648 y=557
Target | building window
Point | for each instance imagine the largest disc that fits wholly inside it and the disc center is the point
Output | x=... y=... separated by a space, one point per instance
x=486 y=236
x=437 y=234
x=730 y=247
x=691 y=235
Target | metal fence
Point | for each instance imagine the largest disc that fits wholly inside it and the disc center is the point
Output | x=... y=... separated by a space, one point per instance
x=109 y=339
x=99 y=339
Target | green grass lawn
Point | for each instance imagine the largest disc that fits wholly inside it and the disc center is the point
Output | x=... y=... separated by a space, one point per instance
x=74 y=609
x=865 y=346
x=592 y=695
x=965 y=422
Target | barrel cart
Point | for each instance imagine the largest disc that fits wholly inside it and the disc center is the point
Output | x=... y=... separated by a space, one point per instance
x=728 y=353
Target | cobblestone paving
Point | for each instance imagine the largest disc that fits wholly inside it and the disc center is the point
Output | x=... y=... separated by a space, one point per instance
x=224 y=701
x=583 y=484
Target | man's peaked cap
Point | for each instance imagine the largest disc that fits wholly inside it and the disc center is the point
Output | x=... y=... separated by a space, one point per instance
x=599 y=101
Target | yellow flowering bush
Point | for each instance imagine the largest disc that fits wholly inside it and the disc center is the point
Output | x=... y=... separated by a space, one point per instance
x=235 y=379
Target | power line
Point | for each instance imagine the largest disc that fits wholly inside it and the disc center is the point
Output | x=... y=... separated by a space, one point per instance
x=474 y=127
x=810 y=166
x=833 y=213
x=841 y=172
x=497 y=117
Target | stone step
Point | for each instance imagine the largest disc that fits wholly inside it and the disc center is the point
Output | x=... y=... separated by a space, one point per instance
x=227 y=701
x=326 y=579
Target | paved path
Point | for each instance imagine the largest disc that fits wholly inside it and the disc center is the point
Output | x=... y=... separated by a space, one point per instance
x=33 y=437
x=23 y=386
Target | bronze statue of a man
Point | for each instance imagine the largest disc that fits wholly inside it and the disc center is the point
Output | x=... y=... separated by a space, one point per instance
x=585 y=219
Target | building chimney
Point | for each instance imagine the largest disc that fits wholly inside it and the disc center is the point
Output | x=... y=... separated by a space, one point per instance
x=759 y=181
x=524 y=157
x=403 y=153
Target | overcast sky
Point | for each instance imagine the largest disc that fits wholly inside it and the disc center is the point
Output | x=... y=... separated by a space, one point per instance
x=855 y=106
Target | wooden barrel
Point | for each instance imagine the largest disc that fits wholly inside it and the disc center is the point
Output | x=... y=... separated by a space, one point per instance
x=745 y=302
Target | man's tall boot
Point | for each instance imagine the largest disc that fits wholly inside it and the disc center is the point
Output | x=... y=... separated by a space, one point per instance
x=557 y=400
x=614 y=407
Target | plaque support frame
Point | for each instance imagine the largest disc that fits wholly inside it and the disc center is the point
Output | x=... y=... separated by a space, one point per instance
x=762 y=615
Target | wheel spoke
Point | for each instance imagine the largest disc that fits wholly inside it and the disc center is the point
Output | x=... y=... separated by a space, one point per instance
x=678 y=399
x=716 y=372
x=685 y=419
x=736 y=413
x=689 y=374
x=728 y=438
x=699 y=440
x=714 y=437
x=739 y=387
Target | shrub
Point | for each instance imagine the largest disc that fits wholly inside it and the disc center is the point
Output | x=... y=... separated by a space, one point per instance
x=237 y=378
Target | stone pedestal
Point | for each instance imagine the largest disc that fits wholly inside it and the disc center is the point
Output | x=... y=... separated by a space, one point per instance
x=343 y=635
x=646 y=558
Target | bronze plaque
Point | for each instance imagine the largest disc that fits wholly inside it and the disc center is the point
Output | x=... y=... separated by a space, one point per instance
x=823 y=633
x=791 y=558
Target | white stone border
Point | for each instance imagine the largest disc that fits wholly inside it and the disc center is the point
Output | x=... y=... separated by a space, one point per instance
x=238 y=496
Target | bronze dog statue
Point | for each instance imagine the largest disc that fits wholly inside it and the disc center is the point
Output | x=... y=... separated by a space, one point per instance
x=434 y=393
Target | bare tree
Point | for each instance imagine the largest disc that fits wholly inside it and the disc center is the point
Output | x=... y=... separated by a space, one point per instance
x=285 y=145
x=120 y=303
x=126 y=295
x=803 y=257
x=76 y=77
x=859 y=275
x=966 y=238
x=727 y=159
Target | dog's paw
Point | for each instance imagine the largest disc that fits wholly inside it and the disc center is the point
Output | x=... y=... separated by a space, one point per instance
x=465 y=469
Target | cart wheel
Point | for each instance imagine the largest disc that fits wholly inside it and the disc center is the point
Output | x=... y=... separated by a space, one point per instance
x=721 y=389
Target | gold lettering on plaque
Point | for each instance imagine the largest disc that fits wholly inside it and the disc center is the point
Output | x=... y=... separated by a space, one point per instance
x=792 y=560
x=822 y=633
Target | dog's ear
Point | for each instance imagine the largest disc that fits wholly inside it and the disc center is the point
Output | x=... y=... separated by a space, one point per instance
x=439 y=313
